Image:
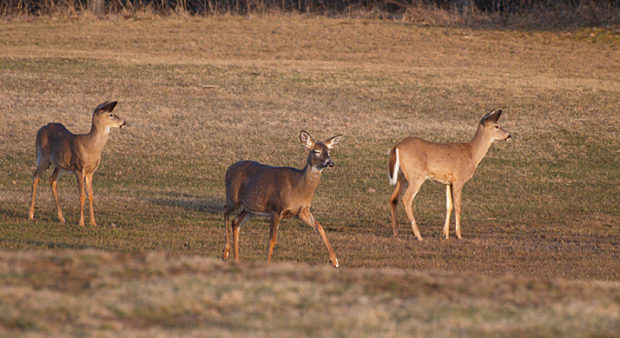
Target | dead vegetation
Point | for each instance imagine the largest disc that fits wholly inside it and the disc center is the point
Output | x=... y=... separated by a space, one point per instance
x=519 y=14
x=78 y=292
x=202 y=93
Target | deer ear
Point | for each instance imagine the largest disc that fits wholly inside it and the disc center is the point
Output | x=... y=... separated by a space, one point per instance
x=306 y=139
x=106 y=107
x=332 y=141
x=492 y=116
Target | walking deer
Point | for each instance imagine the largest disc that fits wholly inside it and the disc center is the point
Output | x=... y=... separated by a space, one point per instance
x=276 y=192
x=414 y=160
x=80 y=154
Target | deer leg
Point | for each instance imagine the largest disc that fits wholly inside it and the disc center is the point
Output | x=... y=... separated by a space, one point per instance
x=307 y=218
x=42 y=164
x=407 y=201
x=54 y=183
x=89 y=187
x=80 y=182
x=273 y=234
x=446 y=226
x=243 y=217
x=227 y=210
x=394 y=204
x=35 y=183
x=226 y=235
x=456 y=197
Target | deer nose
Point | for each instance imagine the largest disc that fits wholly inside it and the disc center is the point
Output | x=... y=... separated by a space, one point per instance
x=124 y=124
x=330 y=162
x=508 y=138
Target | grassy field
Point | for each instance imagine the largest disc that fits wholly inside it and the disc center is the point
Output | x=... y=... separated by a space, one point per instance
x=540 y=217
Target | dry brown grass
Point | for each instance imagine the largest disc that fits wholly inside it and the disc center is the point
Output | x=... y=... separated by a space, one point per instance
x=95 y=293
x=202 y=93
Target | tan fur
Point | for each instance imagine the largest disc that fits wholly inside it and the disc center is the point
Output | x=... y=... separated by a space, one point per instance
x=451 y=164
x=80 y=154
x=276 y=192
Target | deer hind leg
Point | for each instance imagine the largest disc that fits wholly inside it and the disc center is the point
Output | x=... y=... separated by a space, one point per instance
x=89 y=186
x=307 y=218
x=227 y=210
x=273 y=234
x=80 y=182
x=35 y=183
x=54 y=184
x=407 y=201
x=446 y=226
x=243 y=217
x=400 y=185
x=42 y=164
x=456 y=198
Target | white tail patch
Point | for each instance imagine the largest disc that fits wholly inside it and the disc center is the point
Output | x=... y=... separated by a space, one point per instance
x=394 y=177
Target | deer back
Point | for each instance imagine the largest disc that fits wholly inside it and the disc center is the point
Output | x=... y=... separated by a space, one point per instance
x=286 y=191
x=265 y=189
x=55 y=143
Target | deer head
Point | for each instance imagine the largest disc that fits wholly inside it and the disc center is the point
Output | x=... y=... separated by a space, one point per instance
x=103 y=117
x=319 y=158
x=492 y=128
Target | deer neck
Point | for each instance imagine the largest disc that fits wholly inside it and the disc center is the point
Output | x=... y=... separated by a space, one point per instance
x=310 y=179
x=479 y=145
x=96 y=139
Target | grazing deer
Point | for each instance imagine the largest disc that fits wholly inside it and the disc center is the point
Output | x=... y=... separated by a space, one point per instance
x=79 y=154
x=277 y=192
x=414 y=160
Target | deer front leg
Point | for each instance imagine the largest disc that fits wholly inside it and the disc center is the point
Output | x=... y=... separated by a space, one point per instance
x=307 y=218
x=273 y=234
x=446 y=226
x=89 y=187
x=456 y=197
x=80 y=182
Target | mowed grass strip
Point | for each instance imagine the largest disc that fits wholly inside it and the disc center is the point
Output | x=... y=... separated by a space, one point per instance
x=202 y=93
x=93 y=292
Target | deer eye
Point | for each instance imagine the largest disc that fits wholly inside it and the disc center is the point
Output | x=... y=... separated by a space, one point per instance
x=496 y=127
x=111 y=115
x=317 y=153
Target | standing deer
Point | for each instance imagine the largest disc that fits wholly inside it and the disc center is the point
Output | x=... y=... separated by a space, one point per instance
x=277 y=192
x=414 y=160
x=79 y=154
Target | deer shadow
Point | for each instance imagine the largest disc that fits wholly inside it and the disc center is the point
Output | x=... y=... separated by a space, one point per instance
x=205 y=204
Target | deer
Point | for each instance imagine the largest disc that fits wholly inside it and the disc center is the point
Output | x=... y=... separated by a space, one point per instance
x=277 y=192
x=413 y=160
x=79 y=154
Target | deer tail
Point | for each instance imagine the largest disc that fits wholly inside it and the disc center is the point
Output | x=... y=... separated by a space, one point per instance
x=393 y=165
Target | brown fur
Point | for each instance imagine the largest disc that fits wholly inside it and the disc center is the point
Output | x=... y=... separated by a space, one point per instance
x=80 y=154
x=277 y=192
x=451 y=164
